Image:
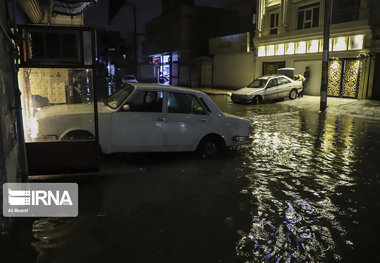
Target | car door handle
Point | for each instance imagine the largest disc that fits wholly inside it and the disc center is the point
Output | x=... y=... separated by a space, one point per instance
x=160 y=118
x=203 y=120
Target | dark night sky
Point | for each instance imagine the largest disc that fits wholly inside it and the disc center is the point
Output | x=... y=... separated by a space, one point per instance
x=97 y=15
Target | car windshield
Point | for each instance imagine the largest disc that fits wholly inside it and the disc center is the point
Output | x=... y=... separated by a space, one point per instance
x=118 y=97
x=258 y=83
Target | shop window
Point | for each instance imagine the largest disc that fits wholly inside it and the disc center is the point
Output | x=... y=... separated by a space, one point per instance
x=313 y=46
x=308 y=16
x=42 y=46
x=340 y=44
x=270 y=50
x=330 y=45
x=280 y=49
x=289 y=49
x=301 y=47
x=261 y=51
x=356 y=42
x=274 y=23
x=47 y=94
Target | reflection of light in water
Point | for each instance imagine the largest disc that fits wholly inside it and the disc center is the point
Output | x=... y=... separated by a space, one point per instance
x=347 y=154
x=50 y=234
x=293 y=179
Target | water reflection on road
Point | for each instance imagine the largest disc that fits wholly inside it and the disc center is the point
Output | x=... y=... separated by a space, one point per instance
x=314 y=177
x=305 y=190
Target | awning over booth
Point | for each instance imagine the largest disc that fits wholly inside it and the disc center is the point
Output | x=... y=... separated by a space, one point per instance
x=71 y=7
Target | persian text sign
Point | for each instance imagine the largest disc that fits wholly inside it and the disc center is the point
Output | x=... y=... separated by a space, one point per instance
x=40 y=199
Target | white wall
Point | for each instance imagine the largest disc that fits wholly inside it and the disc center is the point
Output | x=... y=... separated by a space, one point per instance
x=234 y=70
x=314 y=87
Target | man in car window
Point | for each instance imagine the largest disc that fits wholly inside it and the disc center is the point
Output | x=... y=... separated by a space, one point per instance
x=151 y=103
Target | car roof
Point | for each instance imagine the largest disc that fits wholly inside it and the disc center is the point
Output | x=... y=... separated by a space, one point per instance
x=153 y=86
x=214 y=110
x=271 y=76
x=266 y=77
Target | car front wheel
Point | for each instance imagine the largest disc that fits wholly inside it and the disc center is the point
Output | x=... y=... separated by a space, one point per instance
x=293 y=94
x=211 y=146
x=256 y=100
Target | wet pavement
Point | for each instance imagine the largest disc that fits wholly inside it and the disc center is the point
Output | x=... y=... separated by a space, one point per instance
x=306 y=190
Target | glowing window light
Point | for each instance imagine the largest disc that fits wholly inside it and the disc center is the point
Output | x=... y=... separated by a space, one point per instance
x=330 y=45
x=280 y=49
x=270 y=50
x=340 y=44
x=261 y=51
x=289 y=49
x=301 y=47
x=313 y=46
x=356 y=42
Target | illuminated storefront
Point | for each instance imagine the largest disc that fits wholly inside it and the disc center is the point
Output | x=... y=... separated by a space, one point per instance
x=348 y=67
x=290 y=34
x=56 y=78
x=166 y=68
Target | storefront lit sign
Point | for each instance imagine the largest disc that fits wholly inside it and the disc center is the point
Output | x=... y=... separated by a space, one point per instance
x=289 y=48
x=312 y=46
x=261 y=51
x=340 y=44
x=280 y=50
x=301 y=47
x=270 y=50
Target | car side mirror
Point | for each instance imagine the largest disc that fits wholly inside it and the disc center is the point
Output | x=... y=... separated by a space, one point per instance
x=126 y=107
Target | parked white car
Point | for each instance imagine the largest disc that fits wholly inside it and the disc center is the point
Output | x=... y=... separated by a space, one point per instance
x=148 y=118
x=268 y=88
x=130 y=79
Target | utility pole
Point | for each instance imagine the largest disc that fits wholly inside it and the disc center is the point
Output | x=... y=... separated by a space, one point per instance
x=135 y=39
x=325 y=59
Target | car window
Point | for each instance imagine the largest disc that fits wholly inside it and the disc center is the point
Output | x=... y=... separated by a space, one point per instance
x=184 y=103
x=282 y=81
x=118 y=97
x=204 y=104
x=146 y=101
x=272 y=83
x=257 y=83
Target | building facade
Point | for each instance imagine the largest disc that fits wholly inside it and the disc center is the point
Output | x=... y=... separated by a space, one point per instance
x=233 y=61
x=177 y=42
x=290 y=34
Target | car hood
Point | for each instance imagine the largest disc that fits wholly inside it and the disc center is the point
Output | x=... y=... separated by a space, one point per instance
x=69 y=109
x=247 y=91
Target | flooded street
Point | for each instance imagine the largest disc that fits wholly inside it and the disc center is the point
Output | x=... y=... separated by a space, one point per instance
x=306 y=190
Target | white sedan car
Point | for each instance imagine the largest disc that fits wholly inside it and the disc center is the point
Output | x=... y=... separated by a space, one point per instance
x=130 y=79
x=268 y=88
x=148 y=118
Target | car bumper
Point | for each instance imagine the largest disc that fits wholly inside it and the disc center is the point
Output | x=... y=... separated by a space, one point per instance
x=243 y=100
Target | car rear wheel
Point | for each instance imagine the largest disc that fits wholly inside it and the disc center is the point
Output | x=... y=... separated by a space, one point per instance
x=211 y=146
x=293 y=94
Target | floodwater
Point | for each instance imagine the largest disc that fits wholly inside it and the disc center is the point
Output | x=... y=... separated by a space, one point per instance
x=306 y=190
